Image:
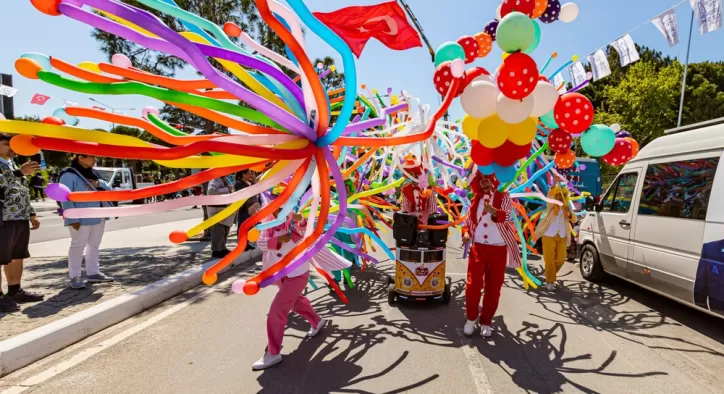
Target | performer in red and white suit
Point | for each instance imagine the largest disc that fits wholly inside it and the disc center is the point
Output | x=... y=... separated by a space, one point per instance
x=417 y=197
x=493 y=247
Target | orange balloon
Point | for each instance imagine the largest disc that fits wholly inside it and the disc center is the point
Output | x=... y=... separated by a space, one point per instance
x=23 y=145
x=27 y=67
x=634 y=146
x=565 y=160
x=231 y=29
x=178 y=236
x=47 y=7
x=540 y=8
x=253 y=235
x=53 y=120
x=485 y=42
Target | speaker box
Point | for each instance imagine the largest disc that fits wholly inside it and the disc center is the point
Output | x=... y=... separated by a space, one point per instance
x=404 y=228
x=438 y=238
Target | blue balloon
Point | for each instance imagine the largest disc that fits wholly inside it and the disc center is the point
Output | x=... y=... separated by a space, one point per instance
x=504 y=174
x=448 y=51
x=549 y=120
x=68 y=119
x=487 y=170
x=42 y=59
x=536 y=39
x=598 y=140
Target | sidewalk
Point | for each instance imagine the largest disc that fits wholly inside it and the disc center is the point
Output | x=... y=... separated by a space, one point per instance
x=45 y=206
x=135 y=257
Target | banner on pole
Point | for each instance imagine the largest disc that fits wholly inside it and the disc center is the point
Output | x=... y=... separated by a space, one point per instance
x=599 y=65
x=559 y=83
x=666 y=23
x=578 y=73
x=7 y=91
x=708 y=14
x=626 y=50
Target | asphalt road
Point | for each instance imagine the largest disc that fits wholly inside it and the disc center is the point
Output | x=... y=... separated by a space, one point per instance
x=593 y=338
x=52 y=228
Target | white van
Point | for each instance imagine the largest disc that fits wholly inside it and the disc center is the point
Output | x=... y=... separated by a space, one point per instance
x=124 y=179
x=660 y=224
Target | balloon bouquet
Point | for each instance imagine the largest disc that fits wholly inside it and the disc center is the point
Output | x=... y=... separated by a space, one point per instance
x=287 y=130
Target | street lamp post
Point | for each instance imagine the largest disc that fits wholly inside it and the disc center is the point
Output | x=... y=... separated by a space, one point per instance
x=113 y=110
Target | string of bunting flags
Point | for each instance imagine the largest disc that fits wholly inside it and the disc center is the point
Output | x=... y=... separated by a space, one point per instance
x=708 y=14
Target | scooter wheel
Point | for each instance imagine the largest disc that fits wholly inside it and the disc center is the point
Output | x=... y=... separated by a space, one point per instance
x=391 y=294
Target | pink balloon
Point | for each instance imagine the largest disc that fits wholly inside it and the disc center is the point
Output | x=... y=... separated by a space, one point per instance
x=152 y=110
x=57 y=191
x=457 y=68
x=238 y=286
x=121 y=60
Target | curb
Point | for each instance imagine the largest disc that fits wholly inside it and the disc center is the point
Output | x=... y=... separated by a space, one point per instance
x=27 y=348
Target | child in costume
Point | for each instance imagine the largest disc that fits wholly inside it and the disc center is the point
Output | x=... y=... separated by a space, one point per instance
x=494 y=247
x=556 y=237
x=417 y=197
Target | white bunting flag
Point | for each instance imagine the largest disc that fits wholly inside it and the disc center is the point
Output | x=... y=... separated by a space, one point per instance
x=560 y=83
x=626 y=50
x=578 y=73
x=599 y=65
x=708 y=14
x=666 y=23
x=67 y=103
x=7 y=91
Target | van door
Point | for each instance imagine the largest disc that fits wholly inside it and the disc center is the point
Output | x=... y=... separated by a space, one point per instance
x=127 y=184
x=669 y=232
x=613 y=223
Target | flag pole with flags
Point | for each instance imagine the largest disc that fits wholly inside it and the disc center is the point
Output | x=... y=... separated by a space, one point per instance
x=686 y=69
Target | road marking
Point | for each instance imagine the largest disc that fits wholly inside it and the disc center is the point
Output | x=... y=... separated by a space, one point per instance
x=92 y=351
x=474 y=365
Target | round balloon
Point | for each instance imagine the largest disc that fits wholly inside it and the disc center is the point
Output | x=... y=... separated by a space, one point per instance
x=616 y=127
x=443 y=77
x=509 y=153
x=634 y=147
x=42 y=59
x=53 y=120
x=523 y=132
x=549 y=120
x=514 y=111
x=68 y=119
x=559 y=141
x=485 y=43
x=480 y=155
x=621 y=153
x=57 y=191
x=449 y=51
x=470 y=126
x=523 y=6
x=470 y=46
x=517 y=77
x=516 y=32
x=493 y=131
x=491 y=28
x=536 y=39
x=487 y=170
x=539 y=9
x=504 y=174
x=598 y=140
x=552 y=12
x=569 y=12
x=544 y=97
x=479 y=99
x=574 y=112
x=623 y=134
x=565 y=160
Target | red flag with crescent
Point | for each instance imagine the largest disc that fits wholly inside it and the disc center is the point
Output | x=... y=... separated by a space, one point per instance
x=386 y=22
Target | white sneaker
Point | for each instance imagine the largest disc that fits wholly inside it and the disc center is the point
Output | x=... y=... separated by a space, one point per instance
x=551 y=286
x=470 y=327
x=486 y=331
x=314 y=331
x=266 y=361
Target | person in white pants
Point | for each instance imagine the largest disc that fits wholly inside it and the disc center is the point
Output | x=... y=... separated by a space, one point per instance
x=85 y=234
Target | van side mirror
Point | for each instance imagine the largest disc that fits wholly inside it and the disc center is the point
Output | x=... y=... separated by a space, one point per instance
x=590 y=203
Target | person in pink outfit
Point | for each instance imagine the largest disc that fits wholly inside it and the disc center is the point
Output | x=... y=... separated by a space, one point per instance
x=275 y=243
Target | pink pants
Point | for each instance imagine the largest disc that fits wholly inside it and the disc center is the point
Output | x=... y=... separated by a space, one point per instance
x=289 y=298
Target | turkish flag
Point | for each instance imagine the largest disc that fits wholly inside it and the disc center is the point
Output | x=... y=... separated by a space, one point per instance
x=385 y=22
x=39 y=99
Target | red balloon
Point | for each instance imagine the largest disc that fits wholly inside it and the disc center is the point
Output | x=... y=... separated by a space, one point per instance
x=621 y=153
x=481 y=155
x=560 y=141
x=53 y=120
x=574 y=113
x=565 y=160
x=517 y=76
x=443 y=79
x=523 y=6
x=509 y=153
x=471 y=47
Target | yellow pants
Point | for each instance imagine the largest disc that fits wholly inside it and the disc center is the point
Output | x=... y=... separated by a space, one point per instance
x=554 y=255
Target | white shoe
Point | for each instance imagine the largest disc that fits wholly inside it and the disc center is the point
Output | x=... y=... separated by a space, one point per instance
x=486 y=331
x=314 y=331
x=551 y=286
x=266 y=361
x=470 y=327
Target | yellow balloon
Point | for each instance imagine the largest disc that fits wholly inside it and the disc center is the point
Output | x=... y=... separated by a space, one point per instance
x=523 y=132
x=470 y=126
x=505 y=55
x=493 y=131
x=90 y=66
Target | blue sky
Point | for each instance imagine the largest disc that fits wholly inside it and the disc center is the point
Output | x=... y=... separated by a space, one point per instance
x=26 y=30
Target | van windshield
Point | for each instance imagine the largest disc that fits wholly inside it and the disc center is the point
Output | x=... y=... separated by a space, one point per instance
x=106 y=175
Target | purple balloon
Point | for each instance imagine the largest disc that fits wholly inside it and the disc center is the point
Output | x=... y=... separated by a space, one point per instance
x=492 y=28
x=552 y=12
x=623 y=134
x=582 y=167
x=440 y=182
x=57 y=191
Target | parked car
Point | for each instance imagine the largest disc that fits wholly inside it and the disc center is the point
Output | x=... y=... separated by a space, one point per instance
x=125 y=179
x=660 y=224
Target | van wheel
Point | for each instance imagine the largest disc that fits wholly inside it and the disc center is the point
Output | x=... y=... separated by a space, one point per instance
x=591 y=268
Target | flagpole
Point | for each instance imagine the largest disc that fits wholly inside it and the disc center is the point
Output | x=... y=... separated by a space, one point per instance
x=686 y=69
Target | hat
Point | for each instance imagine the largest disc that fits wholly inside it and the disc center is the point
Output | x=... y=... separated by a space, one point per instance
x=412 y=165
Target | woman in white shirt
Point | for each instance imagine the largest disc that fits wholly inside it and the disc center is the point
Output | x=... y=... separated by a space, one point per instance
x=556 y=237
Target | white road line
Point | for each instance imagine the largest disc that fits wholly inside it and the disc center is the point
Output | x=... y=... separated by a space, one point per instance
x=92 y=351
x=475 y=366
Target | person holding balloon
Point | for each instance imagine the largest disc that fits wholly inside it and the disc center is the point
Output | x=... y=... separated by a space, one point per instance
x=554 y=232
x=494 y=246
x=275 y=243
x=417 y=197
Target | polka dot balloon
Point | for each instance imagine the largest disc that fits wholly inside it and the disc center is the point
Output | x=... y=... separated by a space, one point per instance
x=485 y=43
x=559 y=141
x=523 y=6
x=621 y=153
x=565 y=160
x=573 y=113
x=517 y=76
x=539 y=9
x=491 y=28
x=471 y=47
x=552 y=12
x=443 y=77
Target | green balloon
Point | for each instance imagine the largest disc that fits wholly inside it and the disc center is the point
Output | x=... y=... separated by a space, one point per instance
x=449 y=51
x=515 y=33
x=536 y=40
x=549 y=120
